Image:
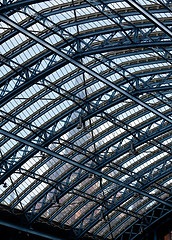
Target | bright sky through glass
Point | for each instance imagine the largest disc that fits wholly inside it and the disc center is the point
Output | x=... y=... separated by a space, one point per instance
x=43 y=95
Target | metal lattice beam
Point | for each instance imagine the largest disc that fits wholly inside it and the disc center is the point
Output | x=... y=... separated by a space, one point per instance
x=147 y=87
x=72 y=162
x=149 y=16
x=81 y=66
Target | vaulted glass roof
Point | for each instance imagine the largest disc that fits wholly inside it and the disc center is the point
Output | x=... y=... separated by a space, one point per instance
x=85 y=113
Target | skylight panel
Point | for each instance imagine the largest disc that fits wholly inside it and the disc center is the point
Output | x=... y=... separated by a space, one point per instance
x=135 y=18
x=118 y=5
x=43 y=101
x=8 y=145
x=73 y=83
x=4 y=27
x=164 y=108
x=41 y=170
x=169 y=182
x=7 y=108
x=9 y=126
x=95 y=87
x=13 y=42
x=43 y=5
x=18 y=17
x=53 y=2
x=145 y=2
x=167 y=141
x=4 y=70
x=85 y=11
x=72 y=30
x=35 y=192
x=36 y=28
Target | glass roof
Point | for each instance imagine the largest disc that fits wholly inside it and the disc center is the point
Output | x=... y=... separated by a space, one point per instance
x=85 y=112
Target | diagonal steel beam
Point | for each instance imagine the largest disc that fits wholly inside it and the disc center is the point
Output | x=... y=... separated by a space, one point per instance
x=81 y=166
x=149 y=16
x=82 y=66
x=108 y=12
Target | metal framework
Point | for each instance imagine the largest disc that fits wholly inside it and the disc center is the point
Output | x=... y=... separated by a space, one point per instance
x=85 y=115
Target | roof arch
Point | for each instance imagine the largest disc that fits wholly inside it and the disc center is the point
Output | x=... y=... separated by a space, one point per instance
x=85 y=113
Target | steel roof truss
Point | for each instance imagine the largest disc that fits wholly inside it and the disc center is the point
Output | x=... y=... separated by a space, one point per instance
x=46 y=133
x=149 y=16
x=151 y=218
x=112 y=15
x=108 y=210
x=79 y=165
x=150 y=178
x=160 y=127
x=81 y=66
x=117 y=167
x=70 y=187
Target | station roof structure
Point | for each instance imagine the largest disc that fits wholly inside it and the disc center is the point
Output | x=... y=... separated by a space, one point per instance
x=85 y=114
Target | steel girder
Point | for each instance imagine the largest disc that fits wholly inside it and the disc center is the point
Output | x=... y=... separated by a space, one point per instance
x=152 y=18
x=121 y=168
x=34 y=76
x=132 y=231
x=142 y=224
x=109 y=62
x=101 y=50
x=62 y=29
x=94 y=112
x=44 y=130
x=51 y=203
x=155 y=132
x=79 y=165
x=84 y=68
x=166 y=149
